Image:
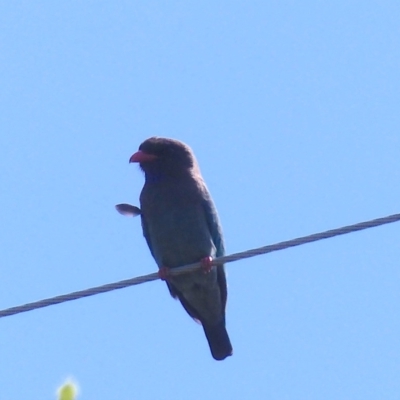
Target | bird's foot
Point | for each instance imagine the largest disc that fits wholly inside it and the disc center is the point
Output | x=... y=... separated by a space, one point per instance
x=163 y=273
x=206 y=264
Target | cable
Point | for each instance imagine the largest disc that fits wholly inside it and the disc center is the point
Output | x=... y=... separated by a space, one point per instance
x=191 y=267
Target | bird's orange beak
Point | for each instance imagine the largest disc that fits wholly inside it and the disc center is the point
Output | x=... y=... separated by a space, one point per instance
x=140 y=157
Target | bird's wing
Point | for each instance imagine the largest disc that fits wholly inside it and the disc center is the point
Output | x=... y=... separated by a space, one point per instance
x=216 y=235
x=214 y=225
x=215 y=230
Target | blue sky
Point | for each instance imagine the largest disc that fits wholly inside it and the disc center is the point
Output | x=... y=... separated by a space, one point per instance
x=292 y=109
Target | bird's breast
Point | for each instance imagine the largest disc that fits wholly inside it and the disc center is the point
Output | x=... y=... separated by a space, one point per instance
x=177 y=229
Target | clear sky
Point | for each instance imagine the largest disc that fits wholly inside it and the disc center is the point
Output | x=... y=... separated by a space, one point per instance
x=292 y=109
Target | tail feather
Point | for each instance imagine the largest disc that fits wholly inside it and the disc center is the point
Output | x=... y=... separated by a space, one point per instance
x=218 y=340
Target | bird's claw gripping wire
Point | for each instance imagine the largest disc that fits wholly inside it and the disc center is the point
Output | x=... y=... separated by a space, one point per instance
x=206 y=264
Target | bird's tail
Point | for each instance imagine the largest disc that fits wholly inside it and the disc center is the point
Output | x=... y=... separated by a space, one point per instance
x=218 y=340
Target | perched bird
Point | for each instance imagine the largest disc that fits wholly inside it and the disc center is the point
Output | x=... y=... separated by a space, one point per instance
x=181 y=226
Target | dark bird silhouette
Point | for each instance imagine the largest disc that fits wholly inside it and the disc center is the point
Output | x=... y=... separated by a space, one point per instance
x=181 y=226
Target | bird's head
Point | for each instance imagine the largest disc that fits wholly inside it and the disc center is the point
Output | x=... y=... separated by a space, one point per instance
x=160 y=157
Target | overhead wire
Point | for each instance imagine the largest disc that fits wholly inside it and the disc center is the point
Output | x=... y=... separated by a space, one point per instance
x=191 y=267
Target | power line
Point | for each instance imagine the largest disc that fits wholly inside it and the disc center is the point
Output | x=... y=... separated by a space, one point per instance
x=191 y=267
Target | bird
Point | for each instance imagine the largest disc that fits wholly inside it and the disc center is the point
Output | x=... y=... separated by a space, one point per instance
x=181 y=226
